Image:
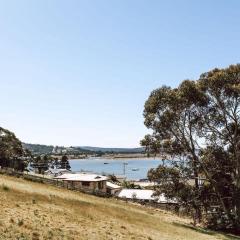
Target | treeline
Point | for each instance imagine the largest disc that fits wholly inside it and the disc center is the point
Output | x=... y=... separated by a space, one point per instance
x=40 y=149
x=196 y=127
x=42 y=163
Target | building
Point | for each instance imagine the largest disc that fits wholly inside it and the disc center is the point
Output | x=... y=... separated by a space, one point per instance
x=112 y=188
x=85 y=181
x=136 y=194
x=143 y=195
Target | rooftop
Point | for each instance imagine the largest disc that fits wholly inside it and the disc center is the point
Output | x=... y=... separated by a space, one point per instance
x=141 y=194
x=58 y=170
x=113 y=186
x=137 y=194
x=82 y=177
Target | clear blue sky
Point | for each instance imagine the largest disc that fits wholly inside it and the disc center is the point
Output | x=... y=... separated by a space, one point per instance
x=79 y=72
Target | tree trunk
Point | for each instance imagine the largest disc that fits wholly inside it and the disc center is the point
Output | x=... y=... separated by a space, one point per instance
x=237 y=200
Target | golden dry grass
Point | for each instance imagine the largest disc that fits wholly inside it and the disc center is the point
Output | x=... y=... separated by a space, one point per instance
x=37 y=211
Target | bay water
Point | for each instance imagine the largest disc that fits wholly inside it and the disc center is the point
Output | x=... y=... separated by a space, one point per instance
x=131 y=168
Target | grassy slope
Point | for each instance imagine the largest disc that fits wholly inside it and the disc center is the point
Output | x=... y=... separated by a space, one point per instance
x=36 y=211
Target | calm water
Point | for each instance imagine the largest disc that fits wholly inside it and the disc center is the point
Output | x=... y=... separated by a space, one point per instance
x=116 y=166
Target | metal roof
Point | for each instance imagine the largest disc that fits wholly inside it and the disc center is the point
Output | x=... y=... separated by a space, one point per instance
x=113 y=186
x=82 y=177
x=141 y=194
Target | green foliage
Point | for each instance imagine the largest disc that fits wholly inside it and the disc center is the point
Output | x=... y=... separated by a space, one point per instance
x=64 y=163
x=198 y=124
x=12 y=154
x=112 y=178
x=41 y=163
x=129 y=185
x=38 y=149
x=151 y=146
x=20 y=222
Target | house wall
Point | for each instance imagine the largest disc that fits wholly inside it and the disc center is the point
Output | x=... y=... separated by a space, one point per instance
x=113 y=191
x=93 y=186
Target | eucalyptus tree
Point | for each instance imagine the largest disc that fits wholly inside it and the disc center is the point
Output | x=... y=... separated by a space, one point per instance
x=150 y=145
x=197 y=124
x=173 y=116
x=221 y=129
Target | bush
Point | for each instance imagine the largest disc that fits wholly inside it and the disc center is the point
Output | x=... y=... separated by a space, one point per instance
x=20 y=223
x=5 y=188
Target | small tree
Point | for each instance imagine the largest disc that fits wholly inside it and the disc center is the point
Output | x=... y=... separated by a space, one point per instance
x=64 y=163
x=41 y=163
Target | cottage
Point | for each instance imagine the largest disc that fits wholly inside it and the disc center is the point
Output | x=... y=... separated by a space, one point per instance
x=85 y=181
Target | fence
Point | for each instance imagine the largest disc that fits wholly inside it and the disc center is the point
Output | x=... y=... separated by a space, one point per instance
x=50 y=181
x=61 y=184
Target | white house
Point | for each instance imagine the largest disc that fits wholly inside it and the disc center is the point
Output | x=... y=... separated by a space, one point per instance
x=144 y=195
x=84 y=181
x=138 y=194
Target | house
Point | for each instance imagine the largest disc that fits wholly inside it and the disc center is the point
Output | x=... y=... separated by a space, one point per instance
x=113 y=188
x=143 y=195
x=137 y=194
x=88 y=182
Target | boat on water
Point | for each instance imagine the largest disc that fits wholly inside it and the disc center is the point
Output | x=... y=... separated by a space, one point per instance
x=106 y=163
x=135 y=169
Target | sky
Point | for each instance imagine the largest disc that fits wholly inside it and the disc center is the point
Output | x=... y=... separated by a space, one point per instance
x=78 y=73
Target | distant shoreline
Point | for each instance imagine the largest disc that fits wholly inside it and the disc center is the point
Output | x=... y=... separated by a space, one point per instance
x=120 y=158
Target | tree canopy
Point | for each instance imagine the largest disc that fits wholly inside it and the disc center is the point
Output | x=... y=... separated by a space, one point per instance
x=197 y=127
x=12 y=154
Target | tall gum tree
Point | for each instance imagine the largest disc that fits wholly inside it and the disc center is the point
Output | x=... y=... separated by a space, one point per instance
x=173 y=115
x=199 y=120
x=221 y=121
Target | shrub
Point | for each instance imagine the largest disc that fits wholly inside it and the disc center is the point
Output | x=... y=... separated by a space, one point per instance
x=5 y=188
x=20 y=223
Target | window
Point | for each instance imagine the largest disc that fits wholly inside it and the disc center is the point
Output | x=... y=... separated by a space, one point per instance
x=100 y=185
x=86 y=184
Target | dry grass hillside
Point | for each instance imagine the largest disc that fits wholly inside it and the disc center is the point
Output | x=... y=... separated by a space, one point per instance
x=37 y=211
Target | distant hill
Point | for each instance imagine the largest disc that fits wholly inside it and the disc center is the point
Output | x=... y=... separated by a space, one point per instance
x=113 y=150
x=39 y=149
